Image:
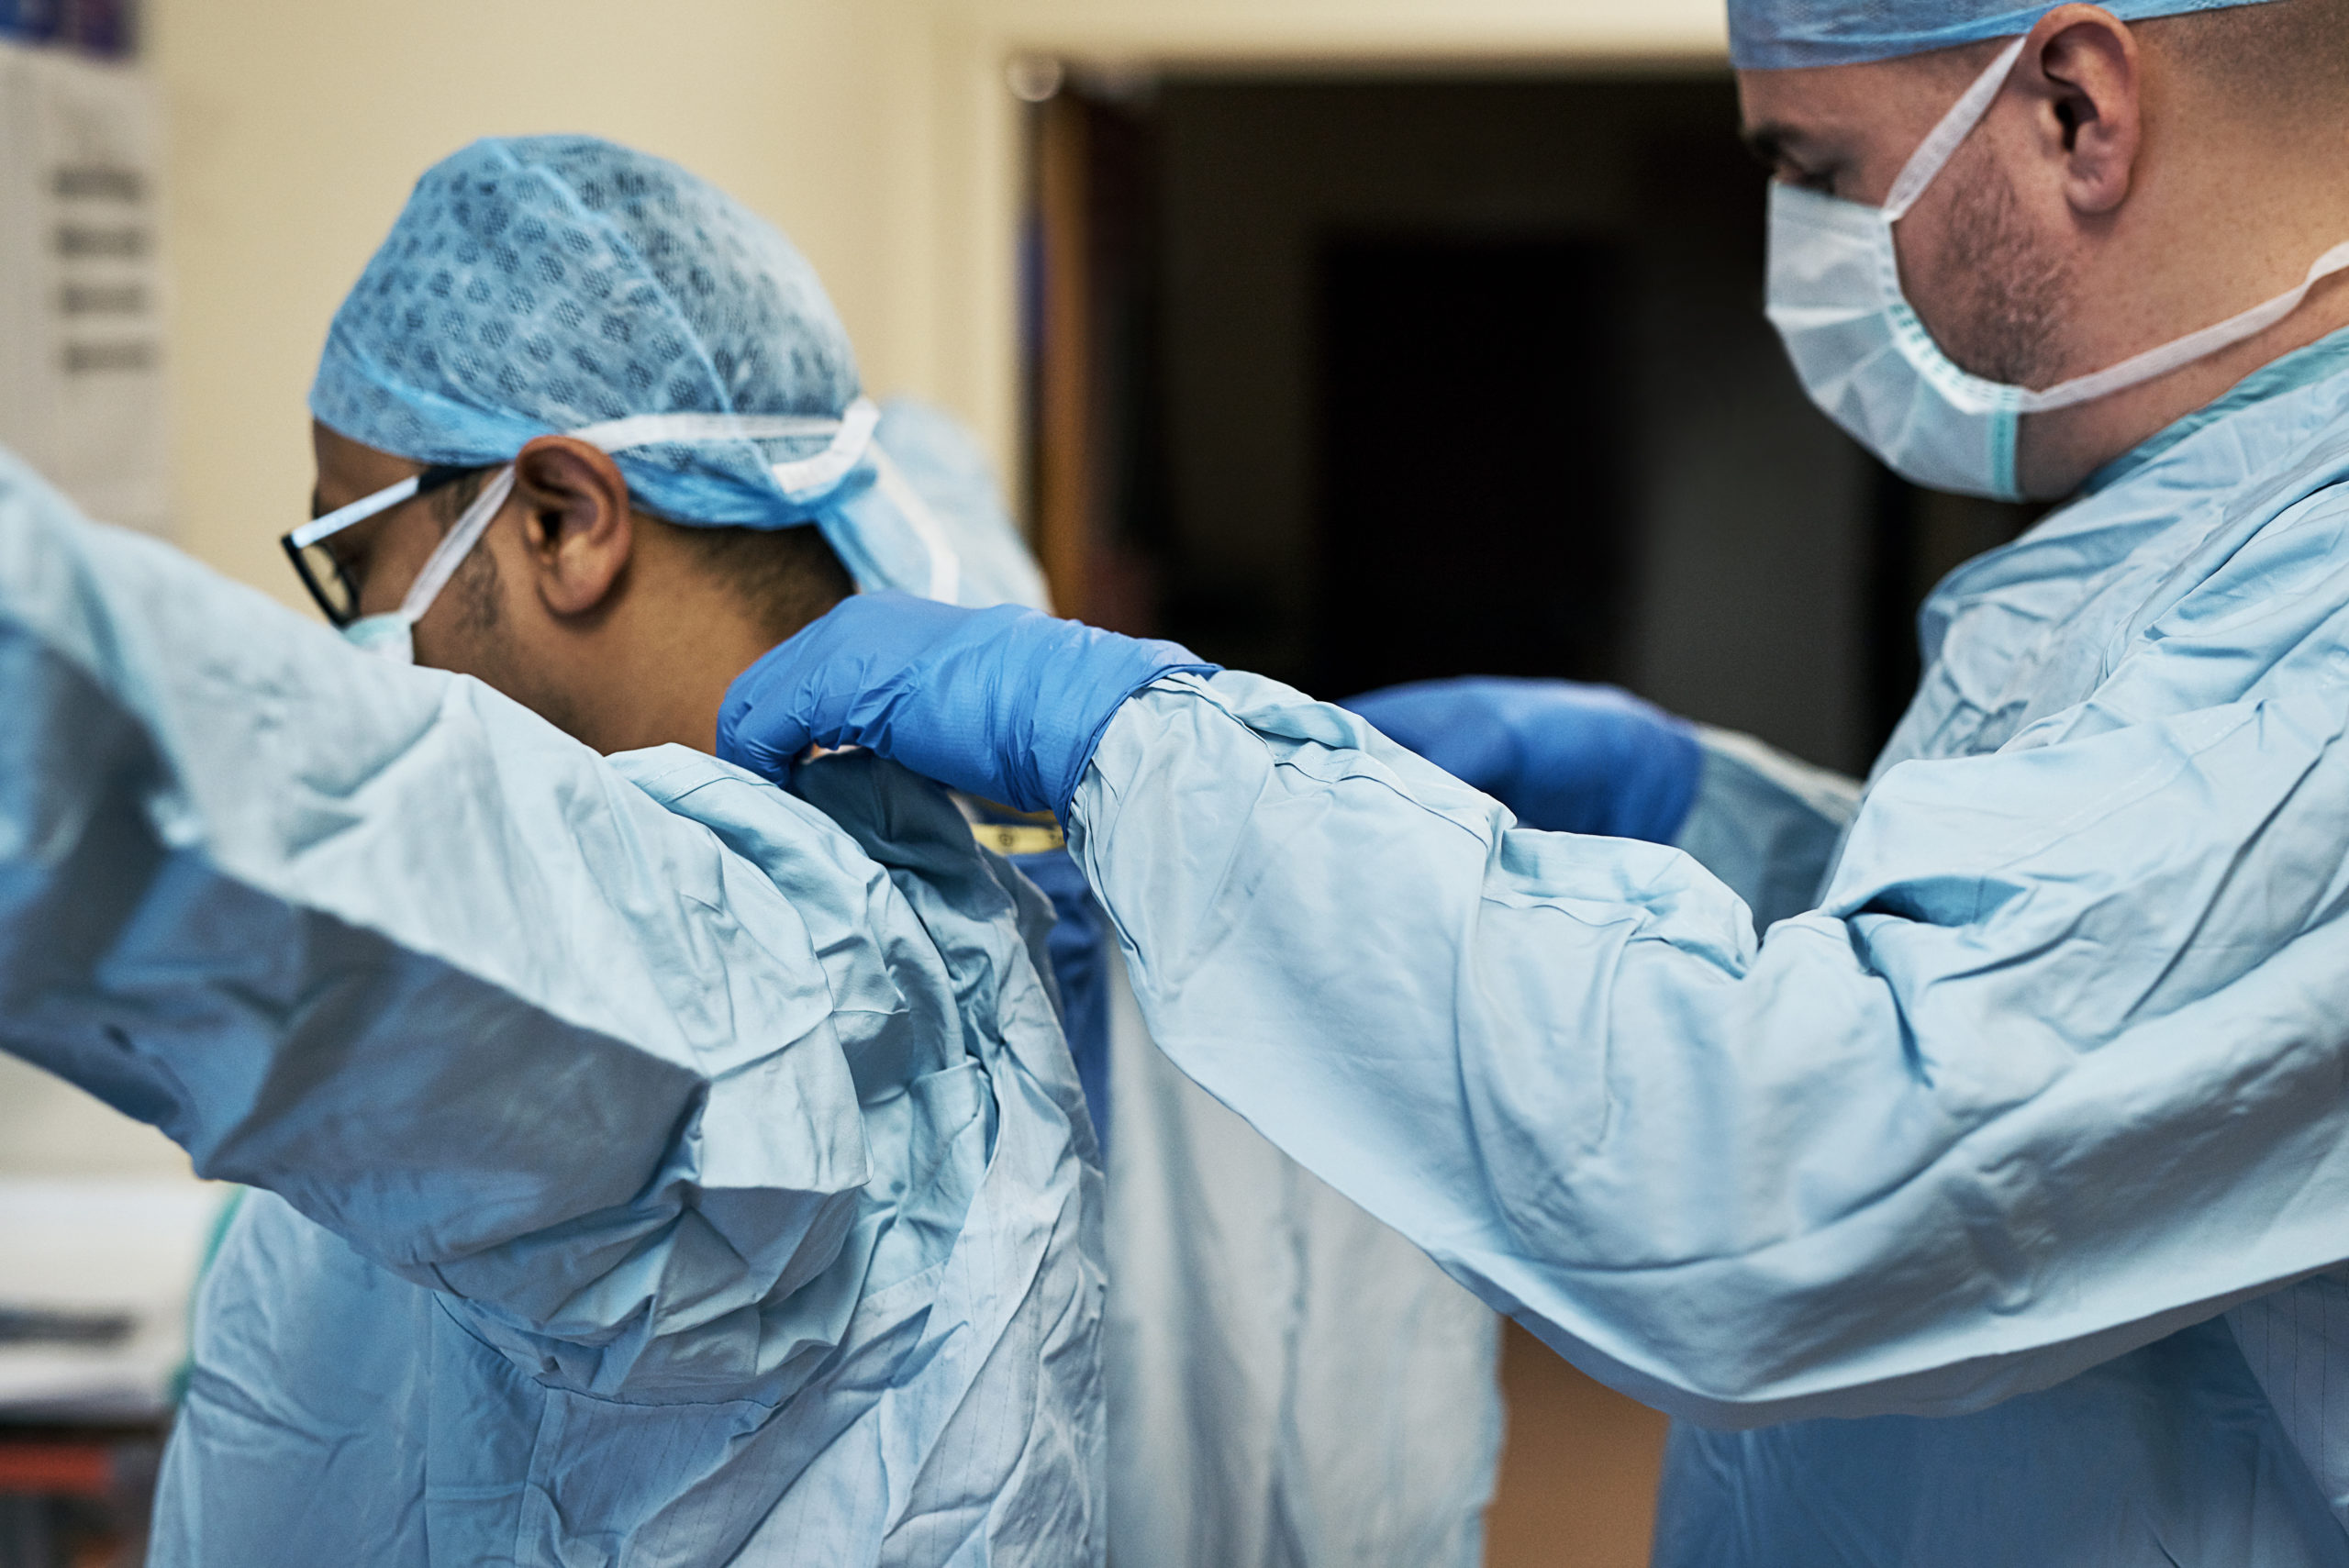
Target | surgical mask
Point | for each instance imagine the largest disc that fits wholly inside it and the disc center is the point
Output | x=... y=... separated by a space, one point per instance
x=1868 y=361
x=392 y=633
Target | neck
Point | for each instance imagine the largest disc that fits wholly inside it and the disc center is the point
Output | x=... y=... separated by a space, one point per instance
x=2220 y=224
x=654 y=666
x=665 y=685
x=2059 y=449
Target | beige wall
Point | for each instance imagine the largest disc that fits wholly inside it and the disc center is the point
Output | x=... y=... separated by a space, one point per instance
x=877 y=133
x=298 y=127
x=1576 y=30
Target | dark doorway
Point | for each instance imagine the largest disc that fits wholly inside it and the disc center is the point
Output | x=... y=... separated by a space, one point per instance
x=1471 y=464
x=1349 y=381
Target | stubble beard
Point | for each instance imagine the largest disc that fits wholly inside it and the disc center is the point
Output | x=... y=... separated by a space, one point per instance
x=2008 y=305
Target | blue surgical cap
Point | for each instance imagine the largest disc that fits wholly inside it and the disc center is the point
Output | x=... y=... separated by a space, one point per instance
x=534 y=285
x=938 y=458
x=1778 y=35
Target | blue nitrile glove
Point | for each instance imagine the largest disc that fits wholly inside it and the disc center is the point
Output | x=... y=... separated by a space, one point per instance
x=1562 y=755
x=1004 y=703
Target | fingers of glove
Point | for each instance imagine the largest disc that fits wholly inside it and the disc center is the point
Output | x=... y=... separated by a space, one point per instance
x=770 y=753
x=814 y=688
x=1617 y=767
x=1004 y=703
x=1562 y=755
x=1484 y=730
x=757 y=727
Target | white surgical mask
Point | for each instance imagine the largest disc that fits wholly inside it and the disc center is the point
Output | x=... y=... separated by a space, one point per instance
x=391 y=634
x=1868 y=362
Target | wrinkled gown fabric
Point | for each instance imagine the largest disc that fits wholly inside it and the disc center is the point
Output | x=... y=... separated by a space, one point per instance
x=660 y=1170
x=1079 y=948
x=2049 y=1083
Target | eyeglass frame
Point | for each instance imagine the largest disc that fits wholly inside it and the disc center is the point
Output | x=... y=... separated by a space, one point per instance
x=438 y=476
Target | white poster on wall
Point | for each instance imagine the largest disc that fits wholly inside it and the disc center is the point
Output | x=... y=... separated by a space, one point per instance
x=81 y=282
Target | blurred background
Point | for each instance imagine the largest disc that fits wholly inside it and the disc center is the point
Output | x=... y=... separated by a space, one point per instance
x=1351 y=340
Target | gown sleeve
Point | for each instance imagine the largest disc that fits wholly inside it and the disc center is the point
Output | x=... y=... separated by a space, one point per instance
x=386 y=943
x=1766 y=824
x=2057 y=1066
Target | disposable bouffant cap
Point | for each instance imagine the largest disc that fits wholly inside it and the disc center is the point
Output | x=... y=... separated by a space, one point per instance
x=536 y=285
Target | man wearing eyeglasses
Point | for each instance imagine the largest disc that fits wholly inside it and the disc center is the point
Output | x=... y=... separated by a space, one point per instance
x=650 y=1166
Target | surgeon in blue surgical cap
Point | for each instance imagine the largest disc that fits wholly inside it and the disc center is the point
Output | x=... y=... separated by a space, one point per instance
x=1986 y=1207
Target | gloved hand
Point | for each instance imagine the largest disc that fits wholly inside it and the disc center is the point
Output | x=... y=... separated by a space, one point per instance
x=1004 y=703
x=1562 y=755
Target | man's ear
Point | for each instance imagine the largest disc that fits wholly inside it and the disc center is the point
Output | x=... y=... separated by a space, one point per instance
x=576 y=521
x=2084 y=64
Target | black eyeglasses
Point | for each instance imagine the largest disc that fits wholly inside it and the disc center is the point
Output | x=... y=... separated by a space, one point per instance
x=323 y=571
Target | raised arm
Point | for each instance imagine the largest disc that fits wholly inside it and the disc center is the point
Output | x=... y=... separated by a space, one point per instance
x=2055 y=1069
x=388 y=944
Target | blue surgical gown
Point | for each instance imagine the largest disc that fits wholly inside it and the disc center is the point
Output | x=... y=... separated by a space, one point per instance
x=1289 y=1384
x=660 y=1169
x=1985 y=1208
